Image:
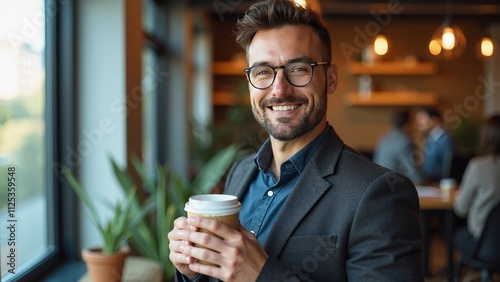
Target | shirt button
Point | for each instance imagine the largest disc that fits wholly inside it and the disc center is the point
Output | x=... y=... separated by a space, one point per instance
x=252 y=232
x=270 y=193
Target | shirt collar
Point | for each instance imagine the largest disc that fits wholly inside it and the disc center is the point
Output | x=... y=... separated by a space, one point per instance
x=299 y=160
x=436 y=132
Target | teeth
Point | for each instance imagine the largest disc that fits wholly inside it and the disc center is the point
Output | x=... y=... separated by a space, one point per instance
x=284 y=108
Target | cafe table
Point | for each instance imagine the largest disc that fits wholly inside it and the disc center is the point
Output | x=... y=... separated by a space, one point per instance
x=430 y=199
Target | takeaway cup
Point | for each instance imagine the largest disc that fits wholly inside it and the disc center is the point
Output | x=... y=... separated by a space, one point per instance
x=447 y=186
x=220 y=207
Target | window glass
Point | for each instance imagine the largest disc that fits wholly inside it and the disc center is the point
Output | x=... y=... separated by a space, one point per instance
x=150 y=83
x=23 y=155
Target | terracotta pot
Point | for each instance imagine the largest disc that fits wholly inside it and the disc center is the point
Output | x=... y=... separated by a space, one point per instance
x=105 y=267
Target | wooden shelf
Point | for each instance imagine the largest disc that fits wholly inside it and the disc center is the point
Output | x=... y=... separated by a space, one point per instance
x=229 y=67
x=222 y=98
x=391 y=99
x=392 y=68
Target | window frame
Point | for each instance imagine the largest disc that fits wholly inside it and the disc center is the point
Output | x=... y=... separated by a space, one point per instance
x=60 y=133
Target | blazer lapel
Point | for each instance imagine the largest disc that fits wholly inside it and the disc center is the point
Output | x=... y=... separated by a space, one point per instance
x=308 y=190
x=242 y=178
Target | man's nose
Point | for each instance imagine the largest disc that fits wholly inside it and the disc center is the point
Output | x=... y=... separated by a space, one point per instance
x=281 y=86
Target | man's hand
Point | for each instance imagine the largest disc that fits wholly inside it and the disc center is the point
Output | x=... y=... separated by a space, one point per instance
x=178 y=259
x=236 y=255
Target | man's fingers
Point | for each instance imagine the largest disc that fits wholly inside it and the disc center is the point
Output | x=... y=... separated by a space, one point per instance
x=211 y=225
x=180 y=223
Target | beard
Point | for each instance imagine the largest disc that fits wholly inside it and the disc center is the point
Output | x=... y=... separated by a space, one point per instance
x=284 y=128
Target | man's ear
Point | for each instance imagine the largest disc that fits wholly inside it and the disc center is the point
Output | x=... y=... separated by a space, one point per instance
x=332 y=78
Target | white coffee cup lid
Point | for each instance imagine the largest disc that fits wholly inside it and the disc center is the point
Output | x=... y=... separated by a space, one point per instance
x=213 y=204
x=447 y=183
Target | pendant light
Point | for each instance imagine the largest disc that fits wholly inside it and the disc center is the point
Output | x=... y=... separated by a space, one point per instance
x=313 y=4
x=302 y=3
x=380 y=45
x=448 y=41
x=485 y=46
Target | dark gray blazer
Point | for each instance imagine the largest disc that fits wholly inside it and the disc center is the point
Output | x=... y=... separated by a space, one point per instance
x=347 y=219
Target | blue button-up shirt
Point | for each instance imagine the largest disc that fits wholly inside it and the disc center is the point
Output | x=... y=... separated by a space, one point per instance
x=266 y=194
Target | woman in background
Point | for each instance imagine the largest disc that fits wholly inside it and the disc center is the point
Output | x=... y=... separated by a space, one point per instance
x=480 y=187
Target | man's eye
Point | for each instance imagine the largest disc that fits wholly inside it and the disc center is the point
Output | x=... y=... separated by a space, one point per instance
x=261 y=72
x=299 y=69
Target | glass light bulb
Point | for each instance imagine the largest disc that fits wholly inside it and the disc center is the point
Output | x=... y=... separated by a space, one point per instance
x=448 y=38
x=380 y=45
x=486 y=47
x=434 y=47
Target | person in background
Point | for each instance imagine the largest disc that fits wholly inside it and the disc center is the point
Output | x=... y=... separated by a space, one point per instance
x=396 y=150
x=312 y=208
x=439 y=145
x=480 y=187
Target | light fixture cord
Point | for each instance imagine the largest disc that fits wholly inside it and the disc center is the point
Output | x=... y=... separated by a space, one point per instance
x=448 y=12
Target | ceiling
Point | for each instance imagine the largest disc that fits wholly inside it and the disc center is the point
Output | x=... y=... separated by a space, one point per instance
x=488 y=8
x=413 y=7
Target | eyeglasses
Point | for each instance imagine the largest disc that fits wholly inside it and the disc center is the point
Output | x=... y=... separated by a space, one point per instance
x=297 y=74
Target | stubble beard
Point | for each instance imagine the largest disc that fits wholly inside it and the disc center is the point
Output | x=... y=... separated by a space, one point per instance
x=284 y=129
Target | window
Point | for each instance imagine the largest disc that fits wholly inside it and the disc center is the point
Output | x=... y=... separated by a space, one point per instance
x=23 y=158
x=28 y=235
x=151 y=79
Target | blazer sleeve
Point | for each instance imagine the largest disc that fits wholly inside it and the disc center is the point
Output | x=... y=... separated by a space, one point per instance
x=386 y=240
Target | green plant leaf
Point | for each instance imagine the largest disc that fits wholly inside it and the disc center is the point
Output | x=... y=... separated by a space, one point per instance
x=168 y=192
x=179 y=193
x=142 y=171
x=161 y=205
x=127 y=214
x=82 y=194
x=210 y=175
x=123 y=178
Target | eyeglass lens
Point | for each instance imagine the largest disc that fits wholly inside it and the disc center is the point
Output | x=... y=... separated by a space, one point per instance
x=298 y=74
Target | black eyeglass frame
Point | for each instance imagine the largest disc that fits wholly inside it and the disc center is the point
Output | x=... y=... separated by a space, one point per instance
x=274 y=68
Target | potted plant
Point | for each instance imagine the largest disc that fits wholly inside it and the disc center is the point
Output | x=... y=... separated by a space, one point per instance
x=106 y=263
x=170 y=193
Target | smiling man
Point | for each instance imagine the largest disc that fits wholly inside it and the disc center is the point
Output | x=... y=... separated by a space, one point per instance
x=313 y=209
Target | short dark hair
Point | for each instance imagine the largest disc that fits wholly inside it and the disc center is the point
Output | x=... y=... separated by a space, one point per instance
x=400 y=119
x=431 y=112
x=489 y=142
x=277 y=13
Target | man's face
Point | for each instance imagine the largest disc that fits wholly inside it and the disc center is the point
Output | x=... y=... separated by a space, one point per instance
x=286 y=111
x=423 y=122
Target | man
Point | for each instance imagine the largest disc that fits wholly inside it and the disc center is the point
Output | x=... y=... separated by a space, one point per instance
x=438 y=147
x=318 y=210
x=396 y=151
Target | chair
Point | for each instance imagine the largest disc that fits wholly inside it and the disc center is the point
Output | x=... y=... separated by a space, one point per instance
x=486 y=253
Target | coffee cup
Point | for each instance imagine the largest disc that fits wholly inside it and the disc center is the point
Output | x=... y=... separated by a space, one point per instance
x=447 y=186
x=220 y=207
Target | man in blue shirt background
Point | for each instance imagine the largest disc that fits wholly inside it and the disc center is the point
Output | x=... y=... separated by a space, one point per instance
x=396 y=150
x=439 y=145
